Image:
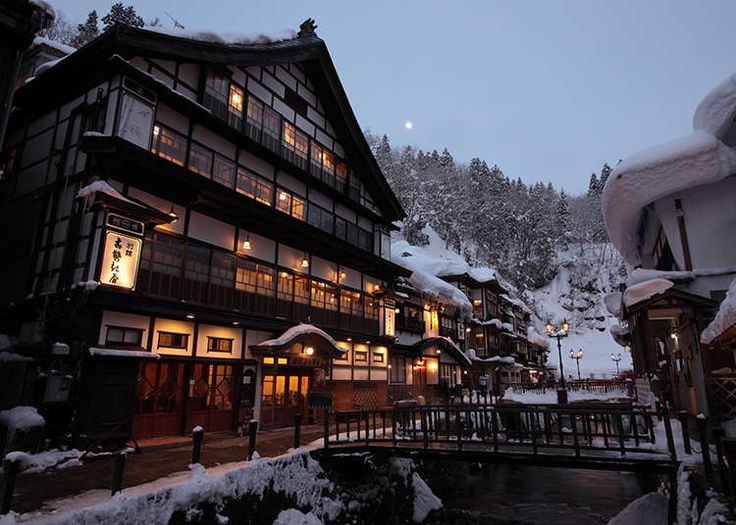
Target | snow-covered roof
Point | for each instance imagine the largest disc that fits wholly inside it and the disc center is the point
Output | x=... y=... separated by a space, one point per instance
x=300 y=329
x=102 y=187
x=505 y=360
x=516 y=302
x=228 y=38
x=694 y=160
x=646 y=290
x=424 y=278
x=717 y=107
x=536 y=338
x=118 y=352
x=42 y=40
x=725 y=317
x=447 y=263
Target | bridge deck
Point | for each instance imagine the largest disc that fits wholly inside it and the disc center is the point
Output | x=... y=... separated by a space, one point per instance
x=643 y=461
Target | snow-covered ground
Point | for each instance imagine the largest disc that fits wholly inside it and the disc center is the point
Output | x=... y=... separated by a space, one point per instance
x=597 y=349
x=549 y=396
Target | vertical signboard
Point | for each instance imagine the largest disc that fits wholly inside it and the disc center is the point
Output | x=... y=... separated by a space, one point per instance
x=121 y=254
x=389 y=317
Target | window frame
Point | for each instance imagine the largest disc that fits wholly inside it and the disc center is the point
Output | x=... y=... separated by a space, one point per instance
x=124 y=330
x=184 y=336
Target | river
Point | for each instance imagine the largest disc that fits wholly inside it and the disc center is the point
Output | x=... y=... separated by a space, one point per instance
x=506 y=495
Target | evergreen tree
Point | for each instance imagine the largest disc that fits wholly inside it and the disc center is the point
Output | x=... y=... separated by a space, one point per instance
x=120 y=14
x=563 y=220
x=86 y=31
x=593 y=185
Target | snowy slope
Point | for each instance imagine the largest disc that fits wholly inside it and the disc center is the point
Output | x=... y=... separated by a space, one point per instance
x=576 y=293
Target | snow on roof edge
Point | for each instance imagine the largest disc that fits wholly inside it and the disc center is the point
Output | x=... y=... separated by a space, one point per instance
x=724 y=319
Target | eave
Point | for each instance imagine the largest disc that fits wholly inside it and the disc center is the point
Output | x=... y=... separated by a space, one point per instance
x=309 y=50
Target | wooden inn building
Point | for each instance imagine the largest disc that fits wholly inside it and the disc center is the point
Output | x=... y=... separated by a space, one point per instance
x=199 y=236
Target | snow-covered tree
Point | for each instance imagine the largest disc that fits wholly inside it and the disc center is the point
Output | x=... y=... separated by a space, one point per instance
x=60 y=30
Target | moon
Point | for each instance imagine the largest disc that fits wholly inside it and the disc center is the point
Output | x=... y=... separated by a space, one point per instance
x=408 y=124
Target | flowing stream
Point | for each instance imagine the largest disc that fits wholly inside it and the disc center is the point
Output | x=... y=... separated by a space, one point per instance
x=506 y=494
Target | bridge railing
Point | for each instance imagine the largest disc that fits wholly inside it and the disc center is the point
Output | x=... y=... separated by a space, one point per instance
x=619 y=428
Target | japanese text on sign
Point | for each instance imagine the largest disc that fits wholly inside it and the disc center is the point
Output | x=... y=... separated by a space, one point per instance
x=120 y=260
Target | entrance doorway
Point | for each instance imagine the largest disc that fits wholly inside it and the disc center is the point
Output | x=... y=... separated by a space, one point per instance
x=211 y=394
x=284 y=395
x=159 y=402
x=175 y=396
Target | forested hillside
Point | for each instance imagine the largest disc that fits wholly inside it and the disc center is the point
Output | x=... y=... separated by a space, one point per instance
x=551 y=245
x=489 y=218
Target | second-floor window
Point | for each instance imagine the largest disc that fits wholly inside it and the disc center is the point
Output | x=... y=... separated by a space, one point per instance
x=290 y=204
x=216 y=93
x=254 y=186
x=254 y=278
x=398 y=370
x=235 y=106
x=120 y=335
x=200 y=159
x=169 y=145
x=296 y=141
x=219 y=344
x=172 y=340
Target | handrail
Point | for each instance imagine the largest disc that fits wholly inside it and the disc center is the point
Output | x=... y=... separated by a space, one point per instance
x=620 y=429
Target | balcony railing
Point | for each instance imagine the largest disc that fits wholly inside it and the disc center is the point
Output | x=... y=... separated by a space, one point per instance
x=410 y=324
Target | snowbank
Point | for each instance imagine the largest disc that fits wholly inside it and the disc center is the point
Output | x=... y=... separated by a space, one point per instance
x=650 y=509
x=20 y=418
x=296 y=517
x=549 y=396
x=646 y=290
x=424 y=499
x=10 y=357
x=58 y=459
x=725 y=317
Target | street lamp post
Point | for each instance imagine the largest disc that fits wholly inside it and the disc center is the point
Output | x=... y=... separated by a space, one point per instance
x=616 y=358
x=559 y=333
x=577 y=356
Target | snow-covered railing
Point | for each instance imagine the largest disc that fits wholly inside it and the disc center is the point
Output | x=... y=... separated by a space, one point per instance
x=563 y=429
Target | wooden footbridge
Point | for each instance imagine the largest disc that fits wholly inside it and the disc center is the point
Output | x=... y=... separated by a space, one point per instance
x=618 y=437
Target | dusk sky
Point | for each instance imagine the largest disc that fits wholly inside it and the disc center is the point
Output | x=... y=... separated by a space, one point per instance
x=547 y=90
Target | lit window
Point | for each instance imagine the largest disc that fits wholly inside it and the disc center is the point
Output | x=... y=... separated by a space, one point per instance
x=283 y=361
x=169 y=145
x=295 y=140
x=200 y=160
x=236 y=100
x=172 y=340
x=268 y=361
x=361 y=356
x=219 y=344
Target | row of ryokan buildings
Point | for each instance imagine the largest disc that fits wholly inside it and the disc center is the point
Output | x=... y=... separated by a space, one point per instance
x=198 y=234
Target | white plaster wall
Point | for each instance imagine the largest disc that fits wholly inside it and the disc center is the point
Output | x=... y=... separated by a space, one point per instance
x=261 y=247
x=211 y=230
x=179 y=327
x=110 y=318
x=710 y=220
x=227 y=332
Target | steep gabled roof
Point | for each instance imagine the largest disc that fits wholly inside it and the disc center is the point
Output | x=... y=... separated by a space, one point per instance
x=306 y=48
